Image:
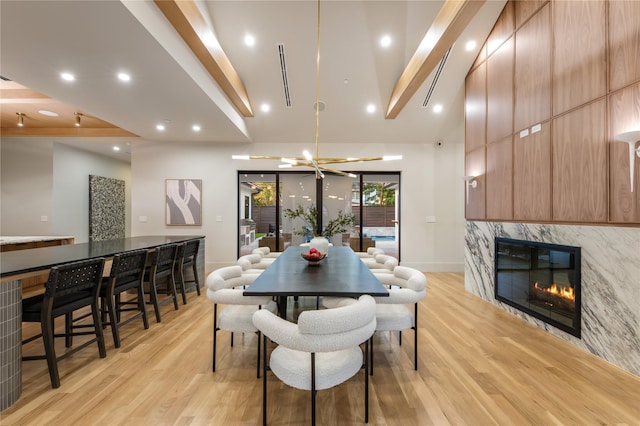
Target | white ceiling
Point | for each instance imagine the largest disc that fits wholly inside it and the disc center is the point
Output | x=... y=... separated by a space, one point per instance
x=96 y=39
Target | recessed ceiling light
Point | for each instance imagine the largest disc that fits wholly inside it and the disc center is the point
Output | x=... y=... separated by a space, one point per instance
x=437 y=108
x=196 y=128
x=48 y=113
x=249 y=40
x=124 y=76
x=371 y=108
x=385 y=41
x=116 y=148
x=160 y=127
x=67 y=76
x=265 y=107
x=470 y=45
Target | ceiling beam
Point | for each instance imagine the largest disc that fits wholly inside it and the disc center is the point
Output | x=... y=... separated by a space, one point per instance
x=192 y=26
x=452 y=19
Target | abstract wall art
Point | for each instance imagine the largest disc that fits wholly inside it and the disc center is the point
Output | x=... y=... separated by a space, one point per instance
x=106 y=208
x=183 y=201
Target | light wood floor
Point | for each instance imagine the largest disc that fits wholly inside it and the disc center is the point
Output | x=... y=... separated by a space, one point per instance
x=478 y=365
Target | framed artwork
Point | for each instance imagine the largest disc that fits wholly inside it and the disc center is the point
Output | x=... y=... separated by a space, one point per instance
x=106 y=208
x=183 y=201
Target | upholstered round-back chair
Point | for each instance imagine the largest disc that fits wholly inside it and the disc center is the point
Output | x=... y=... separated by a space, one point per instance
x=226 y=286
x=266 y=253
x=406 y=286
x=253 y=263
x=381 y=263
x=370 y=253
x=322 y=350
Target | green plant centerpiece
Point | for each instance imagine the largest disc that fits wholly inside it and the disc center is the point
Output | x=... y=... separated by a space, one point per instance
x=309 y=216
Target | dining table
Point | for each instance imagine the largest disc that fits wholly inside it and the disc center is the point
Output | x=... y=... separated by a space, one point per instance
x=340 y=274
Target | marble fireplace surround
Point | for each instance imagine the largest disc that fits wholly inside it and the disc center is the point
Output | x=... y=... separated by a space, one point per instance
x=610 y=282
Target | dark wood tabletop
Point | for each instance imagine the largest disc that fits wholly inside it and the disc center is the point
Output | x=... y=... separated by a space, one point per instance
x=22 y=261
x=341 y=273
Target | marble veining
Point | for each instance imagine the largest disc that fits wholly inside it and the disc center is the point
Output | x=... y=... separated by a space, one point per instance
x=610 y=282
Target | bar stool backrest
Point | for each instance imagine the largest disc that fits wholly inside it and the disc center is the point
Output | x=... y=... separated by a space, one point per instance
x=74 y=277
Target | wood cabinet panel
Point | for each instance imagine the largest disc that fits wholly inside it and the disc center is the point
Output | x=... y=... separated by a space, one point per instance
x=475 y=108
x=524 y=9
x=624 y=115
x=499 y=180
x=502 y=30
x=624 y=43
x=579 y=59
x=500 y=93
x=533 y=71
x=579 y=164
x=475 y=166
x=532 y=175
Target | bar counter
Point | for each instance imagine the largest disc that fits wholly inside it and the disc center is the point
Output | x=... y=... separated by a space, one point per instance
x=18 y=265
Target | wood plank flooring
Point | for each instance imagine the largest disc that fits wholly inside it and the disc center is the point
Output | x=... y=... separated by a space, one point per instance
x=478 y=365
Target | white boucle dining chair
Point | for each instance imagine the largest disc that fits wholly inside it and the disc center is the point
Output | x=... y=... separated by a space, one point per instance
x=226 y=286
x=266 y=253
x=252 y=264
x=381 y=263
x=370 y=253
x=406 y=286
x=321 y=351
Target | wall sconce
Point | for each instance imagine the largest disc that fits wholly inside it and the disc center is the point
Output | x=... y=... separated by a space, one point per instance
x=471 y=182
x=632 y=138
x=20 y=119
x=78 y=117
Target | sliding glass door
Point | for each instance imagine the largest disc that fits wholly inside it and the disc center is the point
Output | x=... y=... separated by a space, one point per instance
x=268 y=199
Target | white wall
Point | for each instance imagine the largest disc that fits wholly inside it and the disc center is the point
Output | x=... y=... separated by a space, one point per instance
x=71 y=170
x=26 y=187
x=44 y=178
x=431 y=186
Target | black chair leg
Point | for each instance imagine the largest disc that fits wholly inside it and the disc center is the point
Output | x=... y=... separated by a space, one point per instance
x=258 y=365
x=142 y=306
x=153 y=293
x=215 y=333
x=174 y=293
x=113 y=320
x=195 y=277
x=415 y=337
x=46 y=326
x=313 y=389
x=366 y=379
x=97 y=325
x=371 y=357
x=68 y=329
x=264 y=381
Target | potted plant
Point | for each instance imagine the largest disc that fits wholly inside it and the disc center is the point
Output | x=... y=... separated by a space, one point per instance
x=341 y=223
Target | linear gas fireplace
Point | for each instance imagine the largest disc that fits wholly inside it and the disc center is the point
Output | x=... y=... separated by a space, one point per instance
x=540 y=279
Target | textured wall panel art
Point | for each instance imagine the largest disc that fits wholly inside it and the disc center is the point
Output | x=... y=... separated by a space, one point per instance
x=184 y=201
x=106 y=208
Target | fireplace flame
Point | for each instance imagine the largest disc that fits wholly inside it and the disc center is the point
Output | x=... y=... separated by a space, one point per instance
x=558 y=290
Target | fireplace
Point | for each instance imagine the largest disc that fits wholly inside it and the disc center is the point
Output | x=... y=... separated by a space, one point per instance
x=540 y=279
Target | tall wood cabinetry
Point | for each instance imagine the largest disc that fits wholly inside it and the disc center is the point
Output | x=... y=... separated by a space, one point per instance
x=558 y=81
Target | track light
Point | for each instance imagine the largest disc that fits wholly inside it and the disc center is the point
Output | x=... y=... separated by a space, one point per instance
x=20 y=119
x=78 y=117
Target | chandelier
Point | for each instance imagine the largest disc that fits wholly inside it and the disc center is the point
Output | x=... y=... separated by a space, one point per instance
x=319 y=164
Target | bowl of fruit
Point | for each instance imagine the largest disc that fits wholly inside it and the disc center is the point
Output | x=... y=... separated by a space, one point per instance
x=313 y=256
